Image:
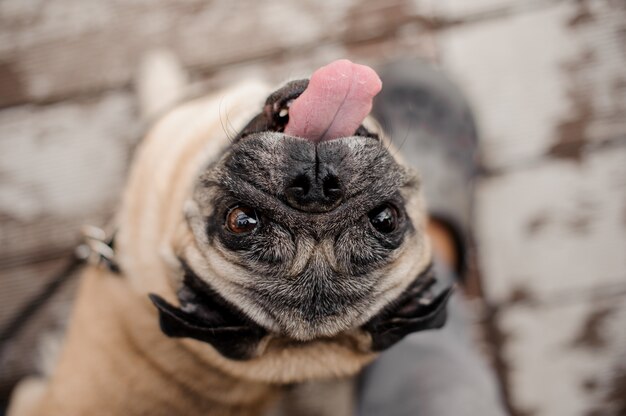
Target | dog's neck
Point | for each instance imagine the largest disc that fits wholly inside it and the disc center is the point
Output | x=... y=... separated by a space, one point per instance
x=121 y=363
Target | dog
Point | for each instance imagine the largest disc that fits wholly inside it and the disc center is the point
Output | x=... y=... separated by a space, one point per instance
x=254 y=268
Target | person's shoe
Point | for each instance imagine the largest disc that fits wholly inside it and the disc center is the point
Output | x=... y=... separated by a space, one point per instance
x=430 y=122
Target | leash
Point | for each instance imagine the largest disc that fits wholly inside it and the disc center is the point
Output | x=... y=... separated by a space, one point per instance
x=97 y=248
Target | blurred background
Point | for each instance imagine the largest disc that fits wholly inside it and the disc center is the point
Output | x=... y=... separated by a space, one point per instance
x=547 y=79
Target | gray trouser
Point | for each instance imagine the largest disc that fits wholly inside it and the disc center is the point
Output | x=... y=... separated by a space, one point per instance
x=432 y=373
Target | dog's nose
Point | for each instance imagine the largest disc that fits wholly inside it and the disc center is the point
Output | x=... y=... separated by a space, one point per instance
x=314 y=190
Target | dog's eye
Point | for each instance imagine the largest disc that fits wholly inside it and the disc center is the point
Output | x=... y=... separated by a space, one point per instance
x=241 y=220
x=384 y=218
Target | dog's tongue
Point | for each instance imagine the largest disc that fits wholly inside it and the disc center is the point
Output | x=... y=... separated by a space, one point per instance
x=337 y=100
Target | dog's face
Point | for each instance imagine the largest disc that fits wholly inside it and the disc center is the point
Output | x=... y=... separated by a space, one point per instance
x=297 y=241
x=313 y=234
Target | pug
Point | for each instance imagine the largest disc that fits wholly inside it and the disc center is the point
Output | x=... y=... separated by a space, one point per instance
x=267 y=241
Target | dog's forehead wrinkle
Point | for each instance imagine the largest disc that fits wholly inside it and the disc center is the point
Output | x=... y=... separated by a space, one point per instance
x=304 y=247
x=323 y=255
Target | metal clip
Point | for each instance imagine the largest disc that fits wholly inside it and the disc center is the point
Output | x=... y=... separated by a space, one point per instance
x=97 y=248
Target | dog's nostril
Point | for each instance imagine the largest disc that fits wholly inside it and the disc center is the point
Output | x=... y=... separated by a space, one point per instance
x=300 y=186
x=307 y=193
x=331 y=188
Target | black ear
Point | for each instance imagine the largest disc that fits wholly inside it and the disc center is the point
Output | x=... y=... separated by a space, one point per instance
x=414 y=311
x=386 y=332
x=206 y=316
x=235 y=342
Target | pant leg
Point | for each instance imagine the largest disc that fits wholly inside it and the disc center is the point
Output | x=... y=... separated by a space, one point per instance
x=432 y=373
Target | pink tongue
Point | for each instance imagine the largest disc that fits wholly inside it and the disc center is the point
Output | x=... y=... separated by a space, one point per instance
x=335 y=103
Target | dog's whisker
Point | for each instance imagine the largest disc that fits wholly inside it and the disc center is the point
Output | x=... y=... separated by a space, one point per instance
x=411 y=125
x=229 y=135
x=382 y=146
x=232 y=128
x=406 y=136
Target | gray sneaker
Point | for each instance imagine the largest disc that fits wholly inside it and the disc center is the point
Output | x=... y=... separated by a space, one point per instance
x=431 y=124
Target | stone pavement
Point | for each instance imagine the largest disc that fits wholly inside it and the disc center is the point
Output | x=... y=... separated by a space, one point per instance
x=547 y=79
x=549 y=84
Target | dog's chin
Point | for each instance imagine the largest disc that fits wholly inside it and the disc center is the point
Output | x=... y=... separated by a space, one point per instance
x=207 y=316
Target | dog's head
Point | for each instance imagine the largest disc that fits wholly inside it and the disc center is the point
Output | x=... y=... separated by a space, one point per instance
x=293 y=249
